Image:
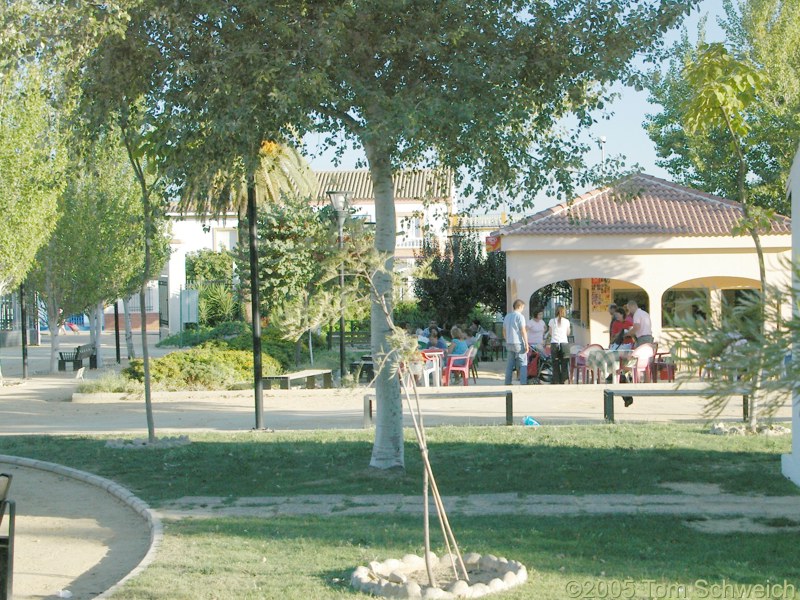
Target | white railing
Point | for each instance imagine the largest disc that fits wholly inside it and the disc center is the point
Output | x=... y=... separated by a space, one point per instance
x=409 y=243
x=481 y=221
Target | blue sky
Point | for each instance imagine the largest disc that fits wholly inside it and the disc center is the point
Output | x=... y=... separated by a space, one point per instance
x=623 y=132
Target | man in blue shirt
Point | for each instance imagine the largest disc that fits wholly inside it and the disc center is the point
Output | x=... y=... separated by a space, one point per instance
x=516 y=337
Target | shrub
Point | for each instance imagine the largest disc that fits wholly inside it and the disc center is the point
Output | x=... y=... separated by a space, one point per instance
x=216 y=304
x=237 y=335
x=224 y=331
x=206 y=367
x=109 y=381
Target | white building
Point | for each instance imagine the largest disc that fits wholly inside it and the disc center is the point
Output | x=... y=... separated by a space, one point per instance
x=646 y=239
x=423 y=201
x=791 y=462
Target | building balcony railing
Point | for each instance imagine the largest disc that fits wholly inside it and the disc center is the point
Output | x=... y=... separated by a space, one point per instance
x=480 y=221
x=409 y=243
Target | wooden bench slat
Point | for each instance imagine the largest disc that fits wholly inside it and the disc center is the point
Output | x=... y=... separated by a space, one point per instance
x=309 y=375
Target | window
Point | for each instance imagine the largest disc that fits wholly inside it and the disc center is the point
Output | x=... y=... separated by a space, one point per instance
x=225 y=238
x=681 y=305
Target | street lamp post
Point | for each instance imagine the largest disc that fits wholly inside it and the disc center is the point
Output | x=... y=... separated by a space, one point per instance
x=339 y=201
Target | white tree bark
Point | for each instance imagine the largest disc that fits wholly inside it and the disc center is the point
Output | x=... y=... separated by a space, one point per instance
x=126 y=309
x=55 y=334
x=97 y=331
x=387 y=450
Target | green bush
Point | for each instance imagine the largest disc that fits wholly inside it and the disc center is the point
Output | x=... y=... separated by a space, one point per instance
x=408 y=311
x=206 y=367
x=224 y=331
x=109 y=382
x=216 y=304
x=237 y=335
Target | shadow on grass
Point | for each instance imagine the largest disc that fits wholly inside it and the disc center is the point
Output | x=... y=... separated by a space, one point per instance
x=313 y=558
x=545 y=460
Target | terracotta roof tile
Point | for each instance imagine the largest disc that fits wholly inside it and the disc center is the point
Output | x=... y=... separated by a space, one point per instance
x=639 y=205
x=413 y=184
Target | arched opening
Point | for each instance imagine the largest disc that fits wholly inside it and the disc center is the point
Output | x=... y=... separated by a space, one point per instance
x=547 y=297
x=704 y=298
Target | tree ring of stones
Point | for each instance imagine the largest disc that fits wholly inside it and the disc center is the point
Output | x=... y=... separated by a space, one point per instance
x=408 y=577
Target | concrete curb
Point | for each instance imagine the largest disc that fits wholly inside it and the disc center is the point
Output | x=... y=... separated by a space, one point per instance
x=117 y=491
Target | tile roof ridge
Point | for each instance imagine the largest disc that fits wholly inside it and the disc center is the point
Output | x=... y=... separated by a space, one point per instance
x=700 y=194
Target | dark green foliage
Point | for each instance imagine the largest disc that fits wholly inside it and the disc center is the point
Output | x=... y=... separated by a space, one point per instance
x=412 y=313
x=195 y=337
x=463 y=277
x=206 y=367
x=237 y=335
x=216 y=304
x=209 y=266
x=295 y=244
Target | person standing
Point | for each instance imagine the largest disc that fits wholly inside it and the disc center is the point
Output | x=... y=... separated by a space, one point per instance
x=559 y=327
x=536 y=328
x=516 y=337
x=612 y=309
x=642 y=329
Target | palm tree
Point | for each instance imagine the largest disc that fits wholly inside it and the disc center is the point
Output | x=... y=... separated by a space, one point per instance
x=279 y=169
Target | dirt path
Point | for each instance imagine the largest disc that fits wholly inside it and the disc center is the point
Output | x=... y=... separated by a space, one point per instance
x=71 y=535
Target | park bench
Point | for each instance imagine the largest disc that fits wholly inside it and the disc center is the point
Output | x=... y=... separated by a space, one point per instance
x=6 y=541
x=450 y=393
x=609 y=393
x=77 y=356
x=310 y=375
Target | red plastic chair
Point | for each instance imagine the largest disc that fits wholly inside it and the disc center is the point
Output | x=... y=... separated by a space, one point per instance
x=581 y=364
x=640 y=364
x=460 y=363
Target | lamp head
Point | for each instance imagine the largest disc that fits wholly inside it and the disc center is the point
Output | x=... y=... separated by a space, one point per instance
x=339 y=199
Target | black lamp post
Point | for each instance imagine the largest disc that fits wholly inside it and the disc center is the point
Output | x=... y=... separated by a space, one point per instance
x=339 y=201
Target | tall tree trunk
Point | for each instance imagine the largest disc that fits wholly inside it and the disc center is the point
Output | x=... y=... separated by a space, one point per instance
x=147 y=213
x=55 y=337
x=387 y=450
x=126 y=309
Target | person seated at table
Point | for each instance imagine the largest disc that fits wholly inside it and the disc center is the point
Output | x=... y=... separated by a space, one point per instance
x=621 y=323
x=434 y=341
x=432 y=326
x=459 y=344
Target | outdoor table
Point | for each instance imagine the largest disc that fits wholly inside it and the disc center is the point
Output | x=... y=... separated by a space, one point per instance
x=607 y=362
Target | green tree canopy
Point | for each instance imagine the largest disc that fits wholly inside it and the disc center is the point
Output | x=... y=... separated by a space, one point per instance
x=764 y=34
x=32 y=160
x=477 y=87
x=455 y=278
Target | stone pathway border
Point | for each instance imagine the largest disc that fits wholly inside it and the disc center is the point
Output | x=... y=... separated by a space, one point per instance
x=708 y=503
x=124 y=495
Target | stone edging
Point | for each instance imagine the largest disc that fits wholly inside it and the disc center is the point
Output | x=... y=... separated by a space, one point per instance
x=119 y=492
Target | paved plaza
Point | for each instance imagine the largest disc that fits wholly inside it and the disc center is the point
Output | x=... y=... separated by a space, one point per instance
x=109 y=533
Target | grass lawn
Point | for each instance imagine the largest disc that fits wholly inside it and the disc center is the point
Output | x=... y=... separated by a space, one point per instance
x=542 y=460
x=312 y=558
x=645 y=556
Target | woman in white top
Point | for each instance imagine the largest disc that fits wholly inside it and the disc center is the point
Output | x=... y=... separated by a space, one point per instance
x=559 y=328
x=536 y=328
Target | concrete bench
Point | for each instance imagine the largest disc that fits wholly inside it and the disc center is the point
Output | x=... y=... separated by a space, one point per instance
x=310 y=375
x=609 y=393
x=449 y=393
x=77 y=356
